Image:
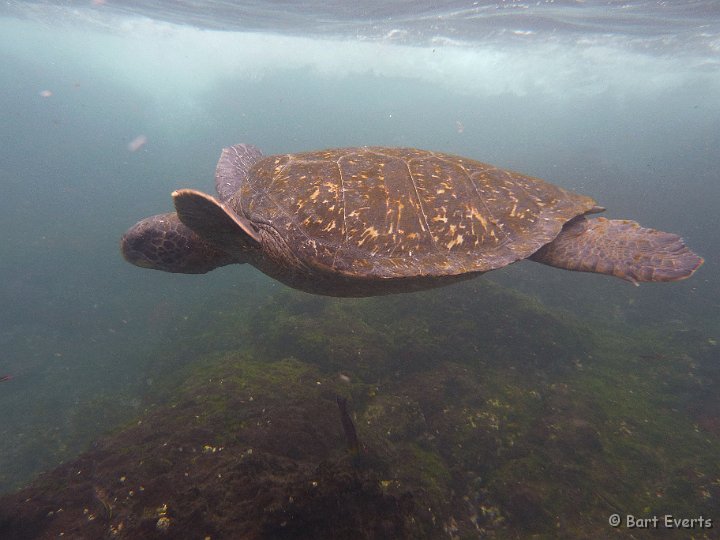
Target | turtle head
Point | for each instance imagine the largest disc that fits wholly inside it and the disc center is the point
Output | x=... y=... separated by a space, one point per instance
x=162 y=242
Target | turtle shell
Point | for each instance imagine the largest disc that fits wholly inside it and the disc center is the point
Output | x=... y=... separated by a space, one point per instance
x=401 y=212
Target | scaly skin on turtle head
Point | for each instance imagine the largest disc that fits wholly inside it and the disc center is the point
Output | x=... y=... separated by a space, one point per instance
x=162 y=242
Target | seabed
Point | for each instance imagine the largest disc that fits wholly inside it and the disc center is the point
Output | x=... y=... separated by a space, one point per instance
x=479 y=414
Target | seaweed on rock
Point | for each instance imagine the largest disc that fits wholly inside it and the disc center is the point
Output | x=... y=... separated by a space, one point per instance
x=481 y=414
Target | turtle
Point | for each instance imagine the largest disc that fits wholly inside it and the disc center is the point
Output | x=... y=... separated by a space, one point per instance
x=366 y=221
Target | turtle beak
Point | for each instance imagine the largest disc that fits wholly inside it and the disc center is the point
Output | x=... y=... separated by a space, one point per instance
x=133 y=256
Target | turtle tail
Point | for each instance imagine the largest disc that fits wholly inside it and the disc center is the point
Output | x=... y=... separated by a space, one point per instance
x=619 y=248
x=162 y=242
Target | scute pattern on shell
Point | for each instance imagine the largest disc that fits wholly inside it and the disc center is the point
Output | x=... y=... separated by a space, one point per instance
x=397 y=212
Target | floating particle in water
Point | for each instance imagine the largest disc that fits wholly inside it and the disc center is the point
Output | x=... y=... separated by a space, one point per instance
x=46 y=94
x=137 y=143
x=459 y=126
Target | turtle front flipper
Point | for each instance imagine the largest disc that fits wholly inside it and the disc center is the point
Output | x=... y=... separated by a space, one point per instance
x=162 y=242
x=213 y=221
x=619 y=248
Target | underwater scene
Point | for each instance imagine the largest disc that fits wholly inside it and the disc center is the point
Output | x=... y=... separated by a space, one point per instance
x=394 y=340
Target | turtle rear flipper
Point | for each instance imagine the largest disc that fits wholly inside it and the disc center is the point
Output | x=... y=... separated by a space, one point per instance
x=214 y=221
x=619 y=248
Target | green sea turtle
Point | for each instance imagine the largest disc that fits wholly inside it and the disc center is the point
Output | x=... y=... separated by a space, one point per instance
x=371 y=220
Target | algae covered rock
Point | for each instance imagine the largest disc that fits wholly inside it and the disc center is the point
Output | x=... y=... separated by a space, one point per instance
x=478 y=414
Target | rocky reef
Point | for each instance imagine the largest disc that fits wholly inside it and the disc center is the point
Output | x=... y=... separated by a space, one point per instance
x=479 y=414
